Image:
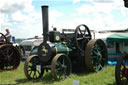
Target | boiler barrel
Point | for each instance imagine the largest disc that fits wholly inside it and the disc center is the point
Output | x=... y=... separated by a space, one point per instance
x=62 y=48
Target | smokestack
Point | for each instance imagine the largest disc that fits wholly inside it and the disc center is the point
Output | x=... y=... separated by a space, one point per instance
x=45 y=23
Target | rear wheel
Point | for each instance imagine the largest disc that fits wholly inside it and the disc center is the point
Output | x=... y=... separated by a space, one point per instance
x=121 y=71
x=61 y=67
x=9 y=57
x=96 y=55
x=32 y=68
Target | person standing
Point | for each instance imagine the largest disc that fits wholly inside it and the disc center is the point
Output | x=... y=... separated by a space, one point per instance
x=8 y=35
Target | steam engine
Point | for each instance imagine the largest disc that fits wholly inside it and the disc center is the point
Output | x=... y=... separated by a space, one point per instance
x=62 y=53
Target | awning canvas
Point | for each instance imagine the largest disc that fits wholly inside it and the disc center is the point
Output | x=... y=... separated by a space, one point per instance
x=118 y=37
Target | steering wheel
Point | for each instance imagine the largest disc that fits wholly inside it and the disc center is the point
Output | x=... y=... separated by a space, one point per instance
x=82 y=36
x=3 y=39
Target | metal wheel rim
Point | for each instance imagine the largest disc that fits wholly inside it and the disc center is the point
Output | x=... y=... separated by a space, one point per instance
x=30 y=68
x=86 y=35
x=96 y=55
x=61 y=67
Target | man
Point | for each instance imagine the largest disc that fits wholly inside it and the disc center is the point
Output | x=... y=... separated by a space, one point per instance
x=8 y=35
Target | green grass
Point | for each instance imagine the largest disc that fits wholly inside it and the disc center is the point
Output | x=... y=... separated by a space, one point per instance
x=18 y=77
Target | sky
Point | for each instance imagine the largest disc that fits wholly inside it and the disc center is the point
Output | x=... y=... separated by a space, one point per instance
x=24 y=18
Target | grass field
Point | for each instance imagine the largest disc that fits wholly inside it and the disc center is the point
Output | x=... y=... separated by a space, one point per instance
x=17 y=77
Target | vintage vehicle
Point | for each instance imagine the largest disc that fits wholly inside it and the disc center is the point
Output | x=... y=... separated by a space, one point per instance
x=9 y=55
x=62 y=53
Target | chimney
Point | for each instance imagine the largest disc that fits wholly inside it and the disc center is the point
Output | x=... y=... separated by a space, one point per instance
x=45 y=23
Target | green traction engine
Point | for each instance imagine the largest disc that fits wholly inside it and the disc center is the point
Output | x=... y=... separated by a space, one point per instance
x=71 y=50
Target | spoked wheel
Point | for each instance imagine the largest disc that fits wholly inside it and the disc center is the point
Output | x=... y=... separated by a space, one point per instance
x=96 y=55
x=121 y=71
x=82 y=36
x=32 y=68
x=61 y=67
x=9 y=57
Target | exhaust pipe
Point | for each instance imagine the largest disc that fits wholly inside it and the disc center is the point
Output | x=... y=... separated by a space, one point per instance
x=45 y=23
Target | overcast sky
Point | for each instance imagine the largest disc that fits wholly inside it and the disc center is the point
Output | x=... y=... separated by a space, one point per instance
x=23 y=17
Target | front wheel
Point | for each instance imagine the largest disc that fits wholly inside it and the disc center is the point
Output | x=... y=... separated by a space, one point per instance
x=32 y=68
x=121 y=71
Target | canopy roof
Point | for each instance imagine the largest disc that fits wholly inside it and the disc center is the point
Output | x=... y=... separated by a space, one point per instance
x=118 y=37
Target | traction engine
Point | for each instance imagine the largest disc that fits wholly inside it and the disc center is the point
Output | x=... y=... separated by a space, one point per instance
x=9 y=55
x=72 y=50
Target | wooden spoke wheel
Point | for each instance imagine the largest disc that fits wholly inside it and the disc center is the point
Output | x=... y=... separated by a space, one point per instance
x=82 y=36
x=32 y=68
x=61 y=67
x=121 y=71
x=9 y=57
x=96 y=55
